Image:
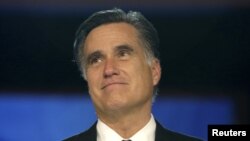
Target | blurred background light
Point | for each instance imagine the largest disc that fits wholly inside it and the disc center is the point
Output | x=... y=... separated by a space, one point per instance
x=50 y=117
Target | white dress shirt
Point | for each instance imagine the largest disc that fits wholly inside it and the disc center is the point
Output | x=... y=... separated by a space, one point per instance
x=147 y=133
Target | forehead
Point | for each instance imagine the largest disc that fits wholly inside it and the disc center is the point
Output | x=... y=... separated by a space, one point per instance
x=111 y=35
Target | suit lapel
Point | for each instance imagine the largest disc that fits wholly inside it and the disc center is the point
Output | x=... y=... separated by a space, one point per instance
x=160 y=133
x=90 y=134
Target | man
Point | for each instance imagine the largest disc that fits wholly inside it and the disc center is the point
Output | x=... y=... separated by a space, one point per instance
x=117 y=53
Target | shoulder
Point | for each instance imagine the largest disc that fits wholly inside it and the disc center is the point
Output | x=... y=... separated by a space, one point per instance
x=163 y=134
x=89 y=135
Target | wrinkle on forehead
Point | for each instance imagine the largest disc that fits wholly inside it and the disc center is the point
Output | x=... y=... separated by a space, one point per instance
x=99 y=37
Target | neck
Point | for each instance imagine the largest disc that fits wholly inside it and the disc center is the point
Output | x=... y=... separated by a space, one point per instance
x=126 y=124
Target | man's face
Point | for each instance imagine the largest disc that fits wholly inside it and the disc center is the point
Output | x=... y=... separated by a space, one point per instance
x=118 y=75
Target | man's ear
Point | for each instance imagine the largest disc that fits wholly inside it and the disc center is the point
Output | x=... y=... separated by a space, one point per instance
x=156 y=71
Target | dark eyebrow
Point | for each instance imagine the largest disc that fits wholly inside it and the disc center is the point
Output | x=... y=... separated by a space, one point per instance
x=124 y=47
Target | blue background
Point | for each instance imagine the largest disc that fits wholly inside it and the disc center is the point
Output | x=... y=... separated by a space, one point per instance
x=37 y=117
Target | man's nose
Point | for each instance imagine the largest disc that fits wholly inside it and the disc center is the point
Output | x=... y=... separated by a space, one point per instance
x=110 y=68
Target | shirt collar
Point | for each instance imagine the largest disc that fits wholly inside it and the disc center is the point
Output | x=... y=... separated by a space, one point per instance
x=147 y=133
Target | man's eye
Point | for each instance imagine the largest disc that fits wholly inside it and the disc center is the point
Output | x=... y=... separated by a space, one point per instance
x=94 y=60
x=123 y=53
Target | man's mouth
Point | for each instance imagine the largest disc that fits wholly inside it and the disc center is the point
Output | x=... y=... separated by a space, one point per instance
x=113 y=83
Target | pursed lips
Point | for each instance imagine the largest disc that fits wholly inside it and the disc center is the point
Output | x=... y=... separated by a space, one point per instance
x=112 y=83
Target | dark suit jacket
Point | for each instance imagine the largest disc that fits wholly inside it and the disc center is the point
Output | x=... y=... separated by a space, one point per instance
x=162 y=134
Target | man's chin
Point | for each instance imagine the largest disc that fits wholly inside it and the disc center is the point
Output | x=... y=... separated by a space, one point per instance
x=117 y=106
